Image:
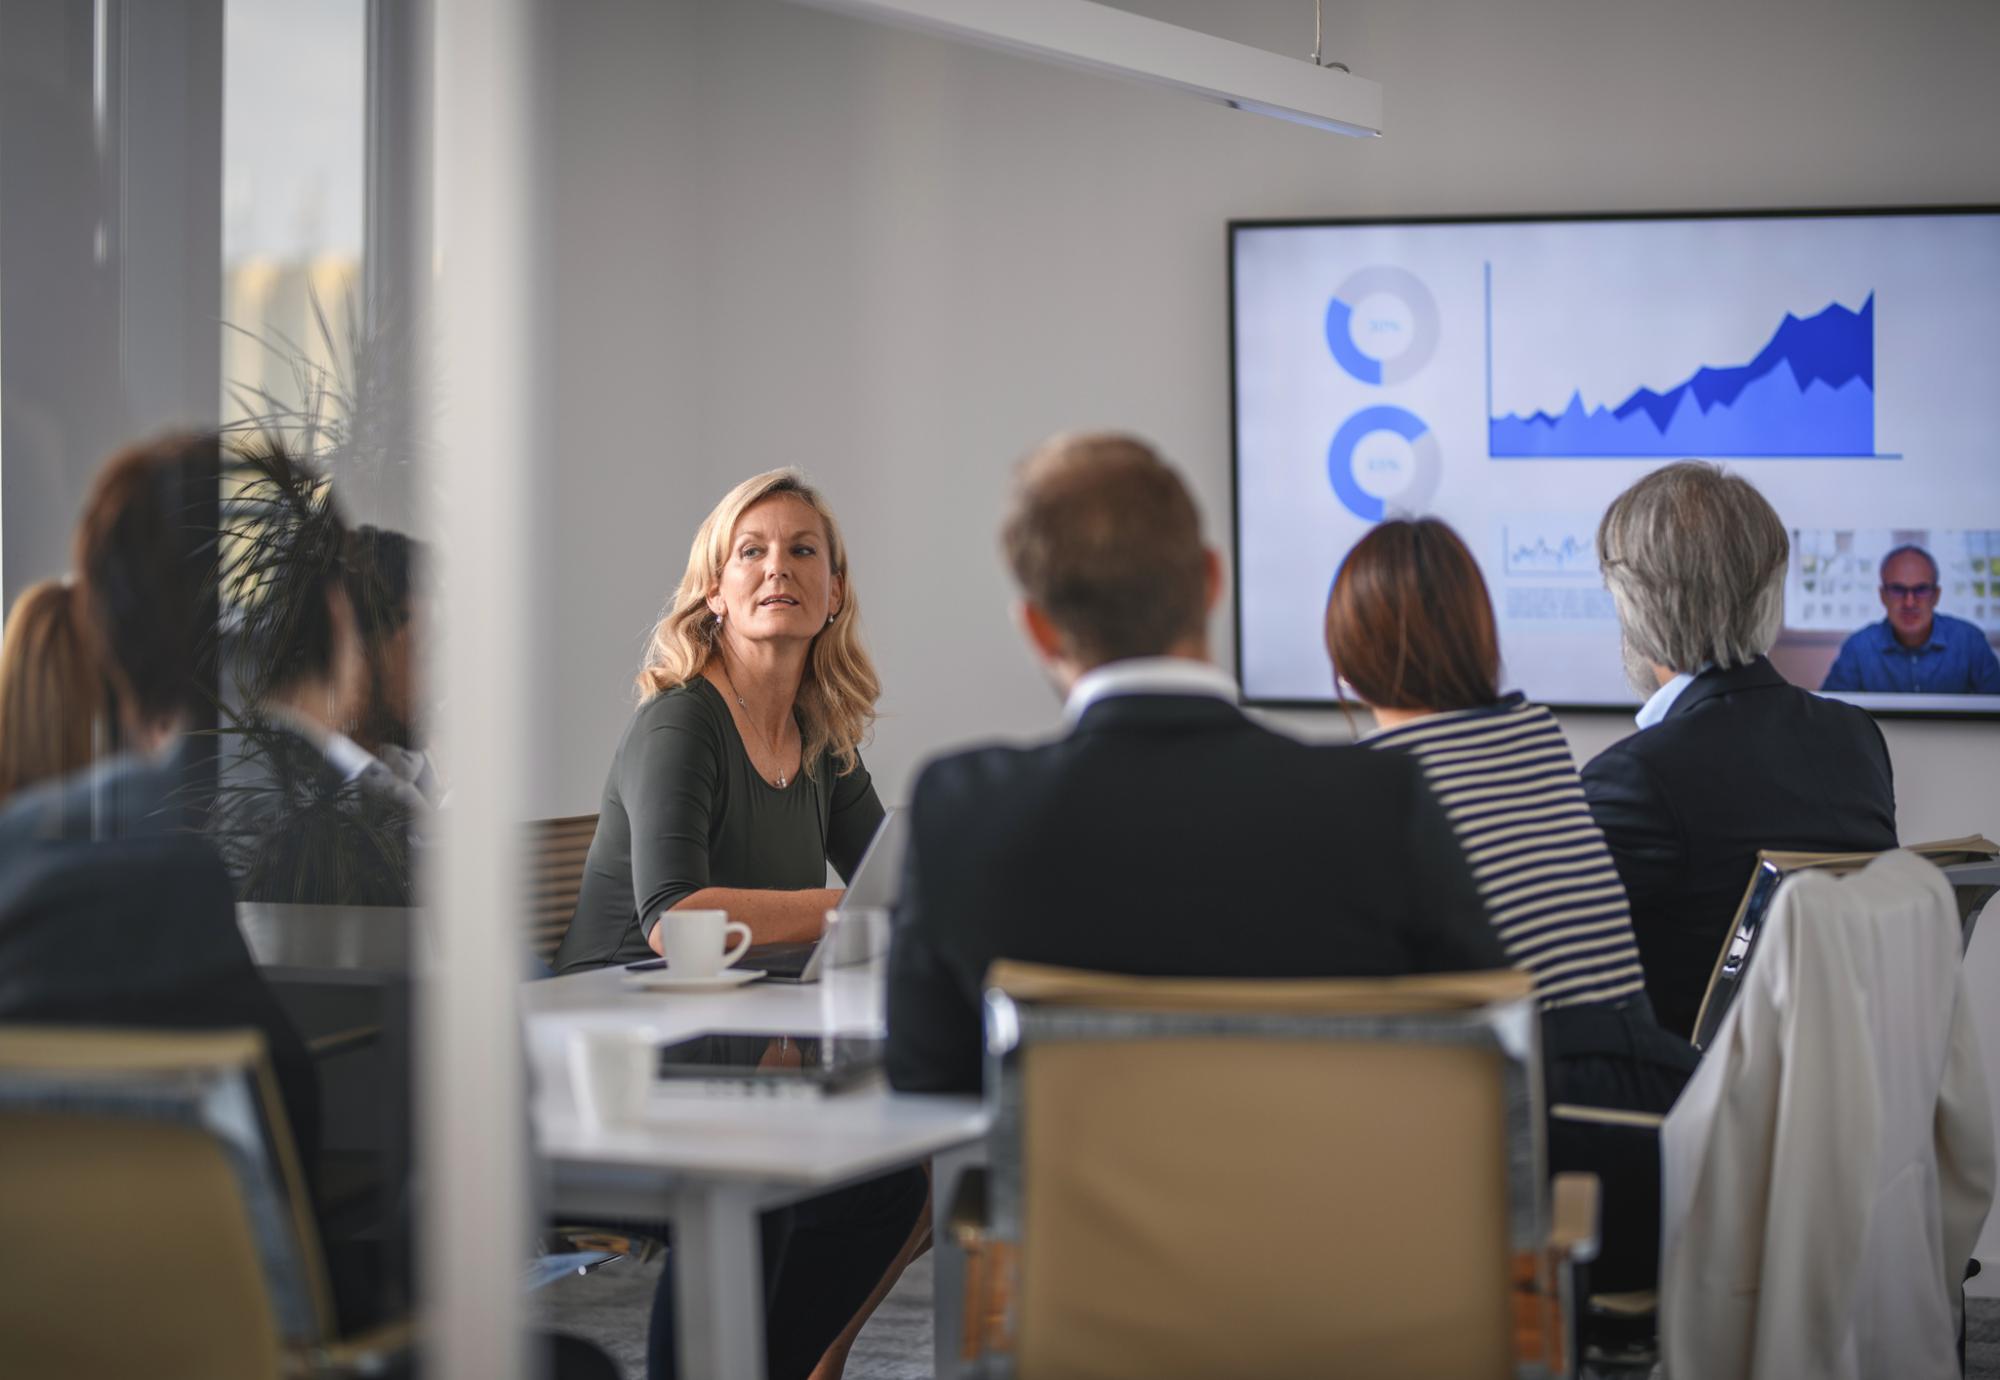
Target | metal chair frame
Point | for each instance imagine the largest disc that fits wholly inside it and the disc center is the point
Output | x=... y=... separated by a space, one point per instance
x=1508 y=1029
x=1973 y=883
x=224 y=1090
x=223 y=1105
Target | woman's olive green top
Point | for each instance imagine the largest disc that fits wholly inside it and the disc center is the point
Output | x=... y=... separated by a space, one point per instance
x=684 y=809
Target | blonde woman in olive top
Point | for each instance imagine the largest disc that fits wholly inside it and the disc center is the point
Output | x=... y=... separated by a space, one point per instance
x=1410 y=630
x=739 y=778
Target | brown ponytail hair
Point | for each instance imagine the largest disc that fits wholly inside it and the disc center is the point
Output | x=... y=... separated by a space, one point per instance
x=53 y=701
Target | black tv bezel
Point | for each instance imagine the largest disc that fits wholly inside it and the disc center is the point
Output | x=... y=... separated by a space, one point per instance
x=1236 y=225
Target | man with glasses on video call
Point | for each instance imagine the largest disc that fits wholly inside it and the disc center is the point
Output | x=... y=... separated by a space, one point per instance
x=1915 y=650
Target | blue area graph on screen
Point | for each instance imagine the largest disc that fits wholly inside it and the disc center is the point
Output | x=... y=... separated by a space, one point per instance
x=1810 y=392
x=1540 y=553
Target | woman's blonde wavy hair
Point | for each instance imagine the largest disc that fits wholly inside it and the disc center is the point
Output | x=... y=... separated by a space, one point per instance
x=836 y=703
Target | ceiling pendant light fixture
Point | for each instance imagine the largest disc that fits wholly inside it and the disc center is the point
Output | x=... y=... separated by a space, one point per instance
x=1098 y=38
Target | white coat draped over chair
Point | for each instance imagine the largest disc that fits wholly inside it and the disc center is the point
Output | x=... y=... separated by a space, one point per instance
x=1828 y=1169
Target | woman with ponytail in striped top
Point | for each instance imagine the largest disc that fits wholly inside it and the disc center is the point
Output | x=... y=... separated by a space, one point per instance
x=1410 y=630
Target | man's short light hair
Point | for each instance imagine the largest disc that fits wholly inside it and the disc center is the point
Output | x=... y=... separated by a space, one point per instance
x=1907 y=549
x=1695 y=560
x=1103 y=536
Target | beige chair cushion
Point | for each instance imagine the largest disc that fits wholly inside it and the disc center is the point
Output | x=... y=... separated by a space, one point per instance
x=1256 y=1208
x=131 y=1256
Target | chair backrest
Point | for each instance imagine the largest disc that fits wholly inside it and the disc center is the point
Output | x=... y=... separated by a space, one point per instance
x=1264 y=1178
x=1826 y=1171
x=1970 y=864
x=153 y=1220
x=559 y=848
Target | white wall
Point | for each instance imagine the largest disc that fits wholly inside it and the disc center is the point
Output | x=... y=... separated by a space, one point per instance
x=906 y=261
x=625 y=487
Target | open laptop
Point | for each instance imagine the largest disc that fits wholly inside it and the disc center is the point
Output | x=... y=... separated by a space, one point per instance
x=874 y=886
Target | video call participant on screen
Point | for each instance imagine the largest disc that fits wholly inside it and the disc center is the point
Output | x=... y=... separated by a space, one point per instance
x=1165 y=833
x=1409 y=628
x=1730 y=758
x=1915 y=650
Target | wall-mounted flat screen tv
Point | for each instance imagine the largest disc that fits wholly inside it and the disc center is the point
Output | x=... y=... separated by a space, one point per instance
x=1513 y=376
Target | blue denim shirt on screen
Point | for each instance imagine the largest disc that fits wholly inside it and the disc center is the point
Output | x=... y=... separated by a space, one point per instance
x=1956 y=660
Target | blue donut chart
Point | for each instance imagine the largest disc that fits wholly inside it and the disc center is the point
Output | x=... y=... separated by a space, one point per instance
x=1340 y=340
x=1423 y=448
x=1406 y=288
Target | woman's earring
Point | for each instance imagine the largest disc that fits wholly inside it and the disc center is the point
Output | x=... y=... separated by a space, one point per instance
x=829 y=617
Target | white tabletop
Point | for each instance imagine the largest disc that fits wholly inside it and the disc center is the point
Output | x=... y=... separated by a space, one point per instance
x=787 y=1145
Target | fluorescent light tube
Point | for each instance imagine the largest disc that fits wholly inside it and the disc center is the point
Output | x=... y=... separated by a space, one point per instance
x=1098 y=38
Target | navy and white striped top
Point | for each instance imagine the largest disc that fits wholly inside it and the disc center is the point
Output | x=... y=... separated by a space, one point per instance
x=1509 y=786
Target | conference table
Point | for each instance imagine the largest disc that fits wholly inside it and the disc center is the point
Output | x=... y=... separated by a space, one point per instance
x=711 y=1166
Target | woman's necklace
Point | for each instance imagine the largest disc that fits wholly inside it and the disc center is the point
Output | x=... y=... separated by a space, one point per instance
x=769 y=747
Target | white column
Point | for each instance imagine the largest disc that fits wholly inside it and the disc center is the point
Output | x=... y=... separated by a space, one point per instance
x=487 y=408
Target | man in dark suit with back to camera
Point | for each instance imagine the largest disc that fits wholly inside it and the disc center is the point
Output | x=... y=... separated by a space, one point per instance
x=1730 y=757
x=1165 y=834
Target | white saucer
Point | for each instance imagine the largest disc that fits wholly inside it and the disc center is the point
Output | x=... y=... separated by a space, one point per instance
x=716 y=982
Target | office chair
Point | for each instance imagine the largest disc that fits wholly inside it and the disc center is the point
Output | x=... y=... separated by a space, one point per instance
x=1195 y=1177
x=559 y=848
x=153 y=1218
x=1971 y=865
x=1827 y=1169
x=1620 y=1331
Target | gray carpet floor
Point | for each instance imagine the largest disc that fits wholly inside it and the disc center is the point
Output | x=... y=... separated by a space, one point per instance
x=610 y=1307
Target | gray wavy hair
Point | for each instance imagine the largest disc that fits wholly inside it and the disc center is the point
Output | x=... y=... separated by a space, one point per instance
x=1695 y=561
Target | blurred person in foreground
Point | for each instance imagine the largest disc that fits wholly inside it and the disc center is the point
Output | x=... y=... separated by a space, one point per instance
x=1409 y=627
x=145 y=583
x=53 y=706
x=383 y=574
x=1729 y=758
x=114 y=908
x=1915 y=650
x=1164 y=834
x=113 y=911
x=304 y=812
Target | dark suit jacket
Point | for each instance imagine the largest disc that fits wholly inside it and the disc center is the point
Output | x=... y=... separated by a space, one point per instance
x=1743 y=761
x=1166 y=835
x=121 y=797
x=112 y=914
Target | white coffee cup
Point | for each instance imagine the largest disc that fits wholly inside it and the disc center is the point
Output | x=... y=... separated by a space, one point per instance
x=610 y=1072
x=692 y=942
